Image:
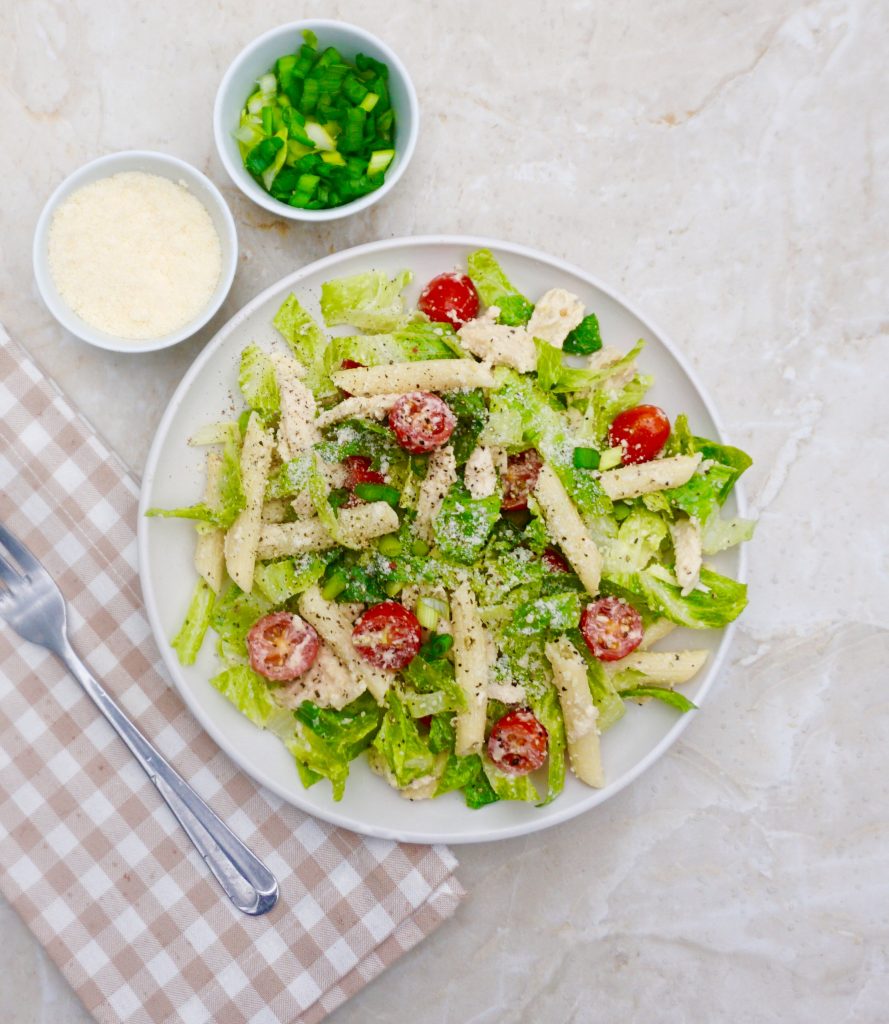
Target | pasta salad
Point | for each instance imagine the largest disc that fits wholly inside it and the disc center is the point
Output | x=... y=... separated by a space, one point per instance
x=431 y=541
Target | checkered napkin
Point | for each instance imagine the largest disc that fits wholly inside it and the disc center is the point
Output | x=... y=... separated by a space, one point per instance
x=90 y=856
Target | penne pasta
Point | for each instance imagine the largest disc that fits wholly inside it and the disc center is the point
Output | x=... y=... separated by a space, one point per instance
x=568 y=530
x=646 y=477
x=242 y=538
x=471 y=654
x=578 y=710
x=423 y=375
x=209 y=551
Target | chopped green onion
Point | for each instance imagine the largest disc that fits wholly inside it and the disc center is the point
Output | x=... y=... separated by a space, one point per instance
x=427 y=615
x=334 y=119
x=419 y=548
x=336 y=584
x=390 y=545
x=378 y=492
x=436 y=647
x=379 y=161
x=586 y=458
x=393 y=588
x=611 y=458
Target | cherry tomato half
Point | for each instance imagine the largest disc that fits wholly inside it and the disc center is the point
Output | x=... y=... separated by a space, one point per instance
x=520 y=479
x=349 y=364
x=450 y=299
x=555 y=561
x=517 y=744
x=282 y=646
x=611 y=628
x=642 y=432
x=387 y=635
x=421 y=422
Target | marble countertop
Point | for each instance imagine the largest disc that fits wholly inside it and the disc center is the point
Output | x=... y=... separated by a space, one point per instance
x=726 y=167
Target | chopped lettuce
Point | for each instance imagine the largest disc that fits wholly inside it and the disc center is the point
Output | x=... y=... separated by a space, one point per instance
x=495 y=289
x=510 y=787
x=309 y=344
x=661 y=693
x=231 y=492
x=472 y=415
x=400 y=744
x=419 y=339
x=554 y=374
x=279 y=581
x=586 y=337
x=548 y=710
x=718 y=534
x=463 y=524
x=187 y=642
x=436 y=677
x=718 y=602
x=256 y=380
x=442 y=734
x=638 y=541
x=606 y=403
x=248 y=691
x=554 y=613
x=371 y=301
x=326 y=740
x=232 y=617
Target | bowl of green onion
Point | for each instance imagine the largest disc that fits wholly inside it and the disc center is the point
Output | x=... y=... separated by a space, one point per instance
x=316 y=120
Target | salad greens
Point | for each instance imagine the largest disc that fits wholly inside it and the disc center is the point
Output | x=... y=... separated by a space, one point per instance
x=450 y=528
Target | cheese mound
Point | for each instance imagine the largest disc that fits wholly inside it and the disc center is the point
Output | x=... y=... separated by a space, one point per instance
x=135 y=255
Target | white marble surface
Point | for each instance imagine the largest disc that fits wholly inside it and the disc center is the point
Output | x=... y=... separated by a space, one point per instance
x=726 y=166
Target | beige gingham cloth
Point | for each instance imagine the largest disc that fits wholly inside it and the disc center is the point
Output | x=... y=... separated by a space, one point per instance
x=89 y=855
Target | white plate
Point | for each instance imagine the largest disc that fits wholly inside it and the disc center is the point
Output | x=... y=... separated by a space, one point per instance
x=174 y=476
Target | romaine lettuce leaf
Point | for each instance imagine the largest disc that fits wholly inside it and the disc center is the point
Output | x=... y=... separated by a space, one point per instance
x=309 y=344
x=279 y=581
x=435 y=677
x=495 y=289
x=234 y=613
x=371 y=301
x=555 y=613
x=248 y=691
x=400 y=744
x=231 y=492
x=605 y=404
x=718 y=534
x=256 y=380
x=720 y=602
x=472 y=415
x=325 y=741
x=187 y=642
x=510 y=787
x=419 y=339
x=549 y=713
x=638 y=541
x=463 y=524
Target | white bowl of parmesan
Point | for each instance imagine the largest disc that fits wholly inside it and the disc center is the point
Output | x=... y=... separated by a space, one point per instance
x=135 y=251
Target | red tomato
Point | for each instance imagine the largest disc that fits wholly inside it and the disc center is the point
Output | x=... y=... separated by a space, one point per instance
x=349 y=364
x=387 y=635
x=517 y=744
x=611 y=627
x=282 y=646
x=520 y=479
x=358 y=471
x=555 y=561
x=421 y=422
x=450 y=299
x=642 y=432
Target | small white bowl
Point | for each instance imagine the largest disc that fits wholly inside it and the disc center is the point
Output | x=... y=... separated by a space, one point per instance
x=260 y=56
x=164 y=166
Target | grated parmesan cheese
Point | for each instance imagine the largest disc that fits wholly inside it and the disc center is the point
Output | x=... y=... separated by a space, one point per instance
x=135 y=255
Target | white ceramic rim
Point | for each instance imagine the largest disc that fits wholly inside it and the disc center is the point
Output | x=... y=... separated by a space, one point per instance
x=330 y=814
x=248 y=186
x=68 y=318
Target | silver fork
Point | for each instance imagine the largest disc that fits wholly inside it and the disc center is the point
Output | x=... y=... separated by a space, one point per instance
x=32 y=604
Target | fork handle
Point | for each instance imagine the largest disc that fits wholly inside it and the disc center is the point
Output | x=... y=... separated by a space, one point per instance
x=247 y=882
